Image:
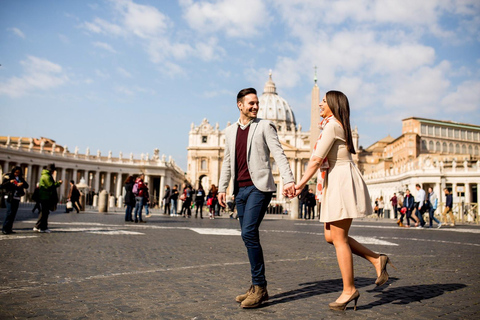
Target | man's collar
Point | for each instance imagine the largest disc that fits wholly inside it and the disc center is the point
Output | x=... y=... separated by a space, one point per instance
x=242 y=126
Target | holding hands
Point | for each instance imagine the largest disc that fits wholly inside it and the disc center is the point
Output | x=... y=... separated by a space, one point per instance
x=289 y=190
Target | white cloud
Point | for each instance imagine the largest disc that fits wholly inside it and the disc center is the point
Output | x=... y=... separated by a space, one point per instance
x=17 y=32
x=124 y=73
x=466 y=98
x=237 y=18
x=38 y=74
x=101 y=74
x=104 y=46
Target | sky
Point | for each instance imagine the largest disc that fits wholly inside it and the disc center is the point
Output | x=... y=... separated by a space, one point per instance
x=132 y=75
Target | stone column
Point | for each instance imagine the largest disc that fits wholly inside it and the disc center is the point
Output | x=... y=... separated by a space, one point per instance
x=108 y=182
x=64 y=185
x=118 y=192
x=96 y=181
x=162 y=190
x=5 y=167
x=29 y=178
x=75 y=175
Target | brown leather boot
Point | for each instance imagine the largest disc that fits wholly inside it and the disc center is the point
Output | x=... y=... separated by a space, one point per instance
x=242 y=297
x=255 y=297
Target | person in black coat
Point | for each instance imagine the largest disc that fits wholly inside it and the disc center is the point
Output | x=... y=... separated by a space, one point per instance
x=74 y=197
x=199 y=200
x=129 y=200
x=15 y=186
x=166 y=200
x=311 y=203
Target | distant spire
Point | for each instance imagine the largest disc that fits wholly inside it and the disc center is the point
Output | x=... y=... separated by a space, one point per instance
x=315 y=77
x=270 y=85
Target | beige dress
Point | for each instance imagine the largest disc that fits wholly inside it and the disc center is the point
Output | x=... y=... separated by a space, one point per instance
x=345 y=194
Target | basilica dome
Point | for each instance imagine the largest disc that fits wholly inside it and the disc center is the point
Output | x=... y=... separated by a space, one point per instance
x=275 y=108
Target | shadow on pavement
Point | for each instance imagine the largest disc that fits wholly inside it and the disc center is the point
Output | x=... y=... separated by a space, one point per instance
x=409 y=294
x=311 y=289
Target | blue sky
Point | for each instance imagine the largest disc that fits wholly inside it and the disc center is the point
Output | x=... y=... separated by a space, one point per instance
x=132 y=76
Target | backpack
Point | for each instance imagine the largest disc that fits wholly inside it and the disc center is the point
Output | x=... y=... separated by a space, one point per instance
x=135 y=188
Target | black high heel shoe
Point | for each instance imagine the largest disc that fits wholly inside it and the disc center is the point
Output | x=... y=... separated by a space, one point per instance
x=383 y=277
x=342 y=306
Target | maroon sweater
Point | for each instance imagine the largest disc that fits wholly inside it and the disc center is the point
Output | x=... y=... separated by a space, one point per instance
x=241 y=167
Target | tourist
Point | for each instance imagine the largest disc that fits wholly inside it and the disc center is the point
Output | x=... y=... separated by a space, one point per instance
x=381 y=206
x=146 y=201
x=187 y=202
x=48 y=198
x=248 y=145
x=394 y=201
x=173 y=199
x=199 y=200
x=311 y=203
x=14 y=184
x=433 y=203
x=166 y=200
x=74 y=197
x=302 y=201
x=129 y=199
x=140 y=191
x=448 y=208
x=343 y=192
x=212 y=200
x=409 y=205
x=420 y=206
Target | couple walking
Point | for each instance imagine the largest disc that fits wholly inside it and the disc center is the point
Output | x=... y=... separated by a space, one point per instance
x=249 y=143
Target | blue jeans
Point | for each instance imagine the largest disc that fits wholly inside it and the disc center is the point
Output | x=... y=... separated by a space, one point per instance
x=303 y=210
x=174 y=206
x=431 y=215
x=138 y=208
x=419 y=213
x=252 y=205
x=12 y=208
x=145 y=205
x=128 y=213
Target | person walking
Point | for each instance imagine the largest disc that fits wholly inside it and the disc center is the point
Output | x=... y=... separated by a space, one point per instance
x=139 y=190
x=420 y=206
x=74 y=197
x=166 y=200
x=433 y=204
x=248 y=145
x=311 y=203
x=146 y=201
x=48 y=198
x=381 y=206
x=344 y=194
x=409 y=205
x=394 y=201
x=448 y=208
x=15 y=185
x=36 y=198
x=187 y=202
x=174 y=198
x=212 y=200
x=303 y=199
x=129 y=199
x=199 y=200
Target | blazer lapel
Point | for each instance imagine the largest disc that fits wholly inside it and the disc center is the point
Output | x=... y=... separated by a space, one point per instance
x=251 y=132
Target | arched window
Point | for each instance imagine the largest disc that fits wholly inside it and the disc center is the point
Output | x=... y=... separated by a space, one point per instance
x=464 y=149
x=444 y=148
x=203 y=165
x=457 y=148
x=450 y=148
x=424 y=145
x=430 y=146
x=470 y=150
x=476 y=150
x=438 y=147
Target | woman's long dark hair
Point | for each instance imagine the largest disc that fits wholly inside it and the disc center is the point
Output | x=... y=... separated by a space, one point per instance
x=338 y=103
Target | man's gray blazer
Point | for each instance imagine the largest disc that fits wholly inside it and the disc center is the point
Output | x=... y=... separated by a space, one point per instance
x=262 y=140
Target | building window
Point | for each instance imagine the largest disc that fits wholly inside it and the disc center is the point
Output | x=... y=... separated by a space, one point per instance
x=457 y=134
x=475 y=136
x=450 y=132
x=430 y=146
x=424 y=129
x=450 y=148
x=464 y=134
x=204 y=139
x=424 y=145
x=444 y=147
x=430 y=130
x=470 y=150
x=437 y=131
x=464 y=149
x=444 y=132
x=476 y=150
x=437 y=147
x=457 y=148
x=469 y=135
x=203 y=165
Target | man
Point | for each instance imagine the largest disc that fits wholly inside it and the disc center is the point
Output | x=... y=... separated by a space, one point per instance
x=15 y=186
x=433 y=203
x=311 y=203
x=248 y=145
x=394 y=201
x=409 y=205
x=448 y=208
x=173 y=199
x=303 y=202
x=146 y=201
x=48 y=198
x=420 y=206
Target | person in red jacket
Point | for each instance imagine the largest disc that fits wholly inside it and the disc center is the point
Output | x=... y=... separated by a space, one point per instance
x=140 y=190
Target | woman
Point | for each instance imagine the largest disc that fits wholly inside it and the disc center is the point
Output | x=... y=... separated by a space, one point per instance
x=74 y=197
x=212 y=194
x=129 y=200
x=344 y=194
x=15 y=186
x=381 y=206
x=199 y=200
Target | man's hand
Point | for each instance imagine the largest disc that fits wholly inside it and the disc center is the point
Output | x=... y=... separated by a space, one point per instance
x=289 y=190
x=221 y=199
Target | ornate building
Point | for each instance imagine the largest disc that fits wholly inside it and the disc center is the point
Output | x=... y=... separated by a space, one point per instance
x=100 y=172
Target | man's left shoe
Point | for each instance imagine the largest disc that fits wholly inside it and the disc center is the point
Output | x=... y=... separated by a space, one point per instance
x=255 y=297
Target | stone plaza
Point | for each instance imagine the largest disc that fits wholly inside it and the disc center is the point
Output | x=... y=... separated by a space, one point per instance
x=96 y=266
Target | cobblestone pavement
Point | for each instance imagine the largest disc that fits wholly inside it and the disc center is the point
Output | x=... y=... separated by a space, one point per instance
x=95 y=266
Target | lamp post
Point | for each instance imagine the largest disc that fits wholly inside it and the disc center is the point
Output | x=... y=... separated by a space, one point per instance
x=82 y=186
